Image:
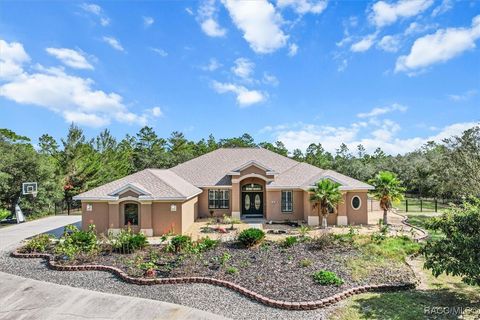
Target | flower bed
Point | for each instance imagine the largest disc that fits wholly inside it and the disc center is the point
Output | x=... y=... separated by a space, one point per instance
x=270 y=270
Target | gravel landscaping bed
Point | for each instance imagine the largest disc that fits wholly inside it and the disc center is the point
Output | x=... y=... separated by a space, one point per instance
x=201 y=296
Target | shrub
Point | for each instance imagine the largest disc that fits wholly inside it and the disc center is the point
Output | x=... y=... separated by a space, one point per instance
x=205 y=244
x=322 y=241
x=250 y=237
x=305 y=263
x=326 y=278
x=303 y=230
x=224 y=258
x=231 y=270
x=289 y=241
x=39 y=243
x=127 y=242
x=75 y=241
x=180 y=243
x=4 y=213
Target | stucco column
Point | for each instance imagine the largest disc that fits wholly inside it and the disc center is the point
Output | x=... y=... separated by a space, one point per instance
x=113 y=217
x=146 y=219
x=235 y=200
x=342 y=219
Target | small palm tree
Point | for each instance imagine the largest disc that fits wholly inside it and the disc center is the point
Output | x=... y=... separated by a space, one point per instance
x=326 y=194
x=388 y=190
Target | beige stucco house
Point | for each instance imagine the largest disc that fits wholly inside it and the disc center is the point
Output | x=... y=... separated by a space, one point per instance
x=241 y=182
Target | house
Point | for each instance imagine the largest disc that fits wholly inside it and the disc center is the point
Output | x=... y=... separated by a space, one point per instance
x=238 y=182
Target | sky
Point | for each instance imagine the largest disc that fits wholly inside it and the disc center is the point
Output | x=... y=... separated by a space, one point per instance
x=388 y=74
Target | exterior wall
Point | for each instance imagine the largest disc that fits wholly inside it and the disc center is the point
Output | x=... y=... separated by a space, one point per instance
x=113 y=216
x=164 y=220
x=253 y=170
x=204 y=211
x=189 y=208
x=274 y=206
x=359 y=216
x=98 y=216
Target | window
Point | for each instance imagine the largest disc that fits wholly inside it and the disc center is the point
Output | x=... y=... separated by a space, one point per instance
x=252 y=187
x=218 y=199
x=131 y=214
x=356 y=202
x=287 y=201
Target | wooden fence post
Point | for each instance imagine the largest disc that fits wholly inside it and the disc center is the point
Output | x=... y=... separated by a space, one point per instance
x=436 y=205
x=406 y=205
x=421 y=205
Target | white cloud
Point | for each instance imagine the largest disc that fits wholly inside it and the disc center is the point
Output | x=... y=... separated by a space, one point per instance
x=445 y=6
x=245 y=97
x=304 y=6
x=383 y=13
x=270 y=79
x=389 y=43
x=73 y=97
x=148 y=21
x=160 y=52
x=207 y=17
x=96 y=10
x=70 y=57
x=243 y=68
x=383 y=134
x=463 y=96
x=156 y=112
x=114 y=43
x=212 y=65
x=364 y=44
x=189 y=11
x=383 y=110
x=441 y=46
x=260 y=24
x=416 y=27
x=292 y=50
x=12 y=57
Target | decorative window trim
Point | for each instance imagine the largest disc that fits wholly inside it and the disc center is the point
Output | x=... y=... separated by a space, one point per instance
x=359 y=203
x=284 y=208
x=254 y=187
x=218 y=199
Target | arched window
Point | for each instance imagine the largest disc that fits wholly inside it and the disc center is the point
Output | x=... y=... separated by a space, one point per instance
x=356 y=202
x=130 y=211
x=252 y=187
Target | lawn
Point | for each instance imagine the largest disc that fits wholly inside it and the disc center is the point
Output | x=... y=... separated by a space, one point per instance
x=444 y=291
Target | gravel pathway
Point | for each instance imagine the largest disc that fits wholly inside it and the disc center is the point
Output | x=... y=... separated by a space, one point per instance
x=201 y=296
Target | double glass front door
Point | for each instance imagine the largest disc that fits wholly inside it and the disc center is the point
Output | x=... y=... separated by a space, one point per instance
x=252 y=203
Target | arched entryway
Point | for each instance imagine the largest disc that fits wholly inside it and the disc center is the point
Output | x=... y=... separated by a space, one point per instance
x=252 y=198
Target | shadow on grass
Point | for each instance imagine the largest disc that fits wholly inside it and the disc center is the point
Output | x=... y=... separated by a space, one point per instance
x=416 y=304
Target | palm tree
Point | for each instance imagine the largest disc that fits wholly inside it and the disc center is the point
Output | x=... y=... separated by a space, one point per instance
x=326 y=194
x=388 y=190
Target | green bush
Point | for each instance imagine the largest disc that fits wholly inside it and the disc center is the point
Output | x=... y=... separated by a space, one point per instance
x=4 y=213
x=289 y=241
x=322 y=241
x=127 y=242
x=39 y=243
x=250 y=237
x=231 y=270
x=326 y=278
x=74 y=241
x=181 y=243
x=205 y=244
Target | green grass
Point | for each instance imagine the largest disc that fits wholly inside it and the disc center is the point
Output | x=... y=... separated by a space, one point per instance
x=427 y=206
x=444 y=291
x=419 y=220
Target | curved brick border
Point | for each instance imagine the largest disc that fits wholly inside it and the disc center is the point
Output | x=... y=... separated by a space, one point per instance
x=405 y=222
x=310 y=305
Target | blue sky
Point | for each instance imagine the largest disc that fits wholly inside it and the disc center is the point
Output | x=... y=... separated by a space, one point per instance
x=390 y=74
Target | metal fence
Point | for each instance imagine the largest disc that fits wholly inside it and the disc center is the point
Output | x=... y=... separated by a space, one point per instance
x=68 y=207
x=414 y=205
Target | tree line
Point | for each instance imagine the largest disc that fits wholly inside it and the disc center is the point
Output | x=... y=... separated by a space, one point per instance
x=64 y=168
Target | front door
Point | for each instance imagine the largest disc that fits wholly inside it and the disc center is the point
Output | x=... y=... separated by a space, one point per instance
x=252 y=203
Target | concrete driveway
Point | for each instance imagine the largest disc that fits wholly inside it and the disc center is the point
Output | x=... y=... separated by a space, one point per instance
x=10 y=236
x=22 y=298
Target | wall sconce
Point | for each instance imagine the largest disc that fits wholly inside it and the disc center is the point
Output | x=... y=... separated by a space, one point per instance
x=173 y=207
x=89 y=207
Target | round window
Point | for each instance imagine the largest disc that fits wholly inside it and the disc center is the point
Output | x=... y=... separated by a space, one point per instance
x=356 y=202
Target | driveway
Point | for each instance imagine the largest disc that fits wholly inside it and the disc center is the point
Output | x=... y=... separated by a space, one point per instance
x=24 y=298
x=12 y=235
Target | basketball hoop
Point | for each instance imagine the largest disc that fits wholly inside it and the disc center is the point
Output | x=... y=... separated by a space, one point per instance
x=34 y=194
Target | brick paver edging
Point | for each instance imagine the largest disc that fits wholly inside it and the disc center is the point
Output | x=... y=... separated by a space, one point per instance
x=230 y=285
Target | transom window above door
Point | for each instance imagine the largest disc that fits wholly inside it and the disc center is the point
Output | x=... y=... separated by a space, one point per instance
x=252 y=187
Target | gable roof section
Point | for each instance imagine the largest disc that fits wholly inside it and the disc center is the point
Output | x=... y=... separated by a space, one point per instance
x=212 y=169
x=250 y=163
x=151 y=184
x=347 y=182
